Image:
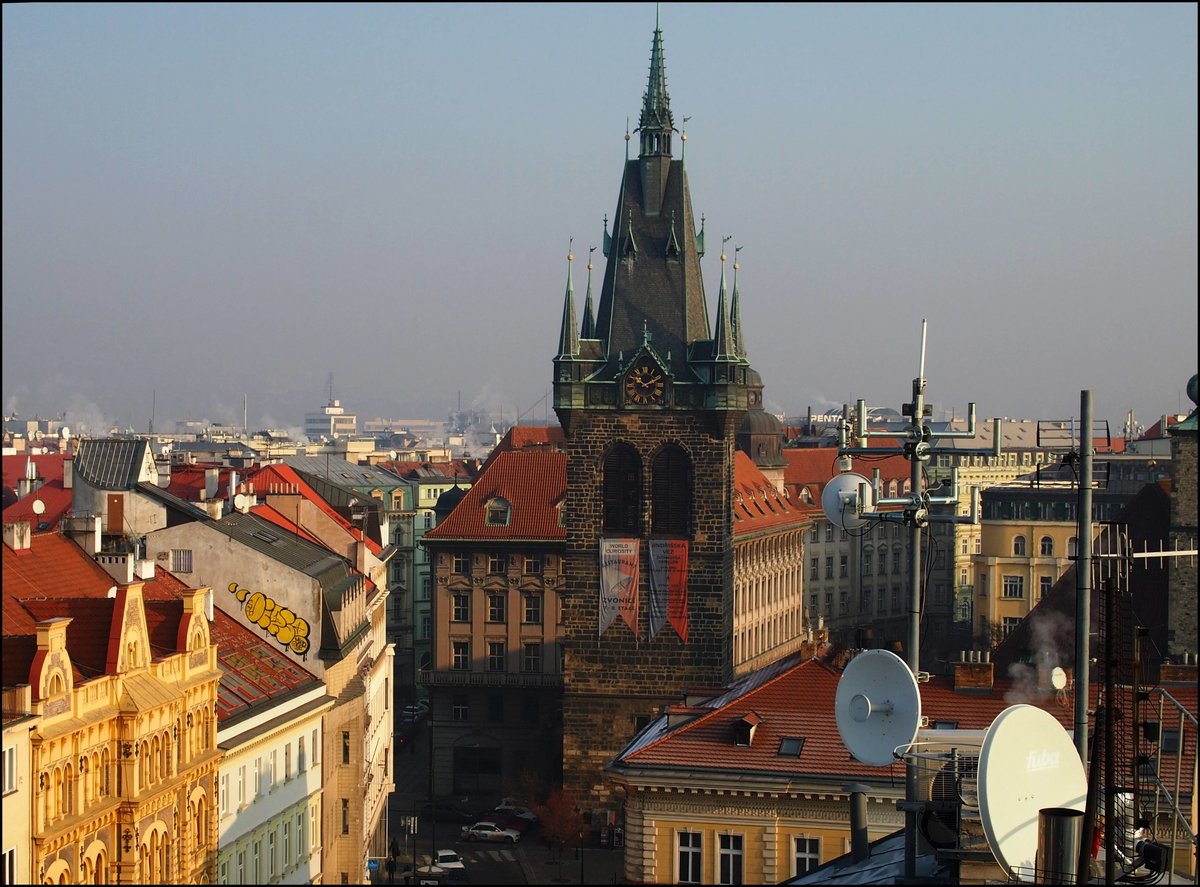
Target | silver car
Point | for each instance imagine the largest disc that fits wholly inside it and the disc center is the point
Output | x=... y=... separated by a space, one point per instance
x=490 y=831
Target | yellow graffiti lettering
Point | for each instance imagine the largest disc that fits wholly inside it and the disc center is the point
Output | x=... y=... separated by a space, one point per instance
x=299 y=644
x=286 y=631
x=268 y=610
x=256 y=606
x=238 y=592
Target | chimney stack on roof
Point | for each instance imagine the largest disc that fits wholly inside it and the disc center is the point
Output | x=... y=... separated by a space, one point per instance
x=973 y=672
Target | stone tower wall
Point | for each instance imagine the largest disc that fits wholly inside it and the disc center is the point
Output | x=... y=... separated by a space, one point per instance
x=612 y=680
x=1182 y=587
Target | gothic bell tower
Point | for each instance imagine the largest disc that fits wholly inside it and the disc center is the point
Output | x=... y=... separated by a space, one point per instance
x=650 y=397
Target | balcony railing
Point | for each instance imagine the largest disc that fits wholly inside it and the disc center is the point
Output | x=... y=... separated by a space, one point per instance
x=434 y=678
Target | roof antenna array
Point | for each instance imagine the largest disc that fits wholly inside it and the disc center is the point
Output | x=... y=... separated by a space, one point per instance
x=850 y=505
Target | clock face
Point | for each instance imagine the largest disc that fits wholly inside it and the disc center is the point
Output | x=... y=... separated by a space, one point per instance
x=645 y=384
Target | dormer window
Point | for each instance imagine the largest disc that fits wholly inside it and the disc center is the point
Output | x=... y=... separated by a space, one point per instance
x=743 y=729
x=499 y=512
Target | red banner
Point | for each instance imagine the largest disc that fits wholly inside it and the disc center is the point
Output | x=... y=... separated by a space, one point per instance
x=677 y=586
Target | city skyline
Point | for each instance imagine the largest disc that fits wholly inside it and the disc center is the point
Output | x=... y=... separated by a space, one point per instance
x=201 y=201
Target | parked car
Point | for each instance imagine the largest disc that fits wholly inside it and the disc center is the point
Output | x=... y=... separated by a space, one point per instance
x=448 y=859
x=443 y=811
x=516 y=811
x=413 y=713
x=505 y=821
x=490 y=831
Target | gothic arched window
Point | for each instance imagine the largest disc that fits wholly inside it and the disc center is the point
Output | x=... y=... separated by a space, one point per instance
x=671 y=492
x=623 y=491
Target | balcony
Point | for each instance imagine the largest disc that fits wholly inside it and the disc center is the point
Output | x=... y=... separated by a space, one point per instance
x=499 y=679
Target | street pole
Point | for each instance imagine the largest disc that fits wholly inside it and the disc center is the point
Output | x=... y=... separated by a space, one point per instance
x=432 y=804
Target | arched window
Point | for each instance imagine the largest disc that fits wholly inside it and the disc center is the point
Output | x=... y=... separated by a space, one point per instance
x=623 y=491
x=1047 y=547
x=671 y=489
x=1019 y=546
x=1073 y=547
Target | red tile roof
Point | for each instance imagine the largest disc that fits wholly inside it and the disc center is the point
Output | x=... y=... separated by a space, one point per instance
x=532 y=480
x=521 y=436
x=49 y=467
x=284 y=480
x=56 y=501
x=253 y=670
x=188 y=481
x=757 y=503
x=809 y=469
x=796 y=699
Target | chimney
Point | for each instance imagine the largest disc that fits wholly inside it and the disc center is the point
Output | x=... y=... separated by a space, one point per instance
x=973 y=672
x=16 y=535
x=215 y=508
x=118 y=565
x=84 y=532
x=144 y=569
x=68 y=474
x=1178 y=672
x=212 y=476
x=860 y=841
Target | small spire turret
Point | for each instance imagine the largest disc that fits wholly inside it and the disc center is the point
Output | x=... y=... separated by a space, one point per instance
x=735 y=311
x=568 y=341
x=588 y=330
x=723 y=335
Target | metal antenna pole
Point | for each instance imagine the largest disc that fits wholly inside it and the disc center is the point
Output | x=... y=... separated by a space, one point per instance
x=914 y=610
x=1083 y=576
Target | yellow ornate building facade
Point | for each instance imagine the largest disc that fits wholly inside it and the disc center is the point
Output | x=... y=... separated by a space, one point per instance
x=123 y=758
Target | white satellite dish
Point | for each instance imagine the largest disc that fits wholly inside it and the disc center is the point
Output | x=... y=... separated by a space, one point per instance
x=1058 y=678
x=840 y=500
x=240 y=502
x=1028 y=763
x=877 y=706
x=39 y=507
x=64 y=433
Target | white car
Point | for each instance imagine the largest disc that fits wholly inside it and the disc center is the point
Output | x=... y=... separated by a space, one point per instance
x=448 y=859
x=490 y=831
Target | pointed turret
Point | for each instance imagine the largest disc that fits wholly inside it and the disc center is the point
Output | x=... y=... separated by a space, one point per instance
x=735 y=311
x=723 y=335
x=568 y=342
x=588 y=331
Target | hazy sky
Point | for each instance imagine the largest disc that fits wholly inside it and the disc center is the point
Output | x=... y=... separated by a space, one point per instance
x=203 y=203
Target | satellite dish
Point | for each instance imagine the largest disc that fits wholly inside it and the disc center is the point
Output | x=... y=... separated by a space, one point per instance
x=39 y=507
x=1028 y=763
x=1058 y=678
x=65 y=433
x=840 y=500
x=240 y=502
x=877 y=706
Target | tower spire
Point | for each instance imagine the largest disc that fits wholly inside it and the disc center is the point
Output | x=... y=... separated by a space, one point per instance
x=723 y=334
x=568 y=342
x=655 y=124
x=589 y=322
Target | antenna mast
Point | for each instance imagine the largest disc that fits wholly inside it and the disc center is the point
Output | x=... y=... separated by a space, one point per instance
x=918 y=448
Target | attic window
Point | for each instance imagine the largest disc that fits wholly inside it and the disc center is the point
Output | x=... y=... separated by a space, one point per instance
x=791 y=746
x=499 y=512
x=265 y=536
x=945 y=725
x=743 y=729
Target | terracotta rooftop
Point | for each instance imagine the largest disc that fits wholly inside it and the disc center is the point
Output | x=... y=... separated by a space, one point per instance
x=285 y=480
x=532 y=480
x=795 y=699
x=758 y=505
x=519 y=437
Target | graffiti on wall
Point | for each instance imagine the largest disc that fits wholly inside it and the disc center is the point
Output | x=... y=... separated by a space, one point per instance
x=279 y=622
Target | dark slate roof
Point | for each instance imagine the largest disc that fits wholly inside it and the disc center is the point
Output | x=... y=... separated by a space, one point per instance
x=666 y=295
x=110 y=464
x=265 y=537
x=342 y=472
x=174 y=503
x=884 y=865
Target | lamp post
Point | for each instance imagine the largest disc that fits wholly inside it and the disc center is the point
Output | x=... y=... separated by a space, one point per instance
x=432 y=803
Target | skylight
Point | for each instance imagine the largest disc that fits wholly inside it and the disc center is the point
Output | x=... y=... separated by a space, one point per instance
x=791 y=746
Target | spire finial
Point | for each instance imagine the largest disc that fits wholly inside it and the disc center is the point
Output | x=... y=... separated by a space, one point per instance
x=723 y=334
